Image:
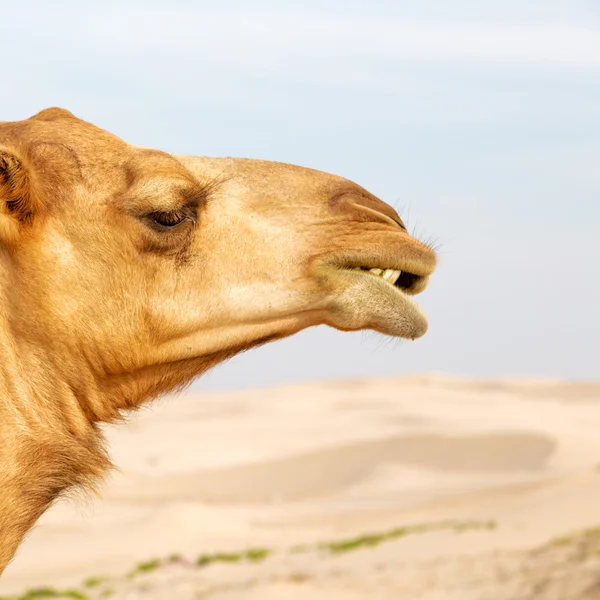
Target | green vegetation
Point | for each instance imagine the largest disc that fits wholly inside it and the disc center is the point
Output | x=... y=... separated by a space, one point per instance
x=150 y=565
x=256 y=555
x=253 y=555
x=48 y=592
x=92 y=582
x=585 y=535
x=374 y=539
x=145 y=567
x=228 y=558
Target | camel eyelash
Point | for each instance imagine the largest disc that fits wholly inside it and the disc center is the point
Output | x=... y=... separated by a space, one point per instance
x=165 y=220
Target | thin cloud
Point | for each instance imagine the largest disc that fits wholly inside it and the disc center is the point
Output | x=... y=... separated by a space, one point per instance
x=256 y=38
x=245 y=36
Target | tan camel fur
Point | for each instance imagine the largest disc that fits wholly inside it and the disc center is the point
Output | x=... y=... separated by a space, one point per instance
x=126 y=272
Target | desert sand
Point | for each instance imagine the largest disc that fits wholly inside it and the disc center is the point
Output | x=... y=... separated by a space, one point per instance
x=426 y=487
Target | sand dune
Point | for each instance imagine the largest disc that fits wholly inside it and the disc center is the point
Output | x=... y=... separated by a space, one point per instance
x=303 y=465
x=330 y=471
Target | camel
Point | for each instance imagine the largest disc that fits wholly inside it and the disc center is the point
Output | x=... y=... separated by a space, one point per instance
x=125 y=272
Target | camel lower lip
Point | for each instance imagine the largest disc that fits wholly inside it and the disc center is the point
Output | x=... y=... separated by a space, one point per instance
x=363 y=300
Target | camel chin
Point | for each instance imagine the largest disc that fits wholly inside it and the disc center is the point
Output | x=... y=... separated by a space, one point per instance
x=363 y=300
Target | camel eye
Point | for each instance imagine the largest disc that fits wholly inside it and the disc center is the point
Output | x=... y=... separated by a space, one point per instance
x=168 y=231
x=168 y=220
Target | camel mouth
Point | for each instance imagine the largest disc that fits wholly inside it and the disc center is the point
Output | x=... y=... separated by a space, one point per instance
x=365 y=296
x=405 y=281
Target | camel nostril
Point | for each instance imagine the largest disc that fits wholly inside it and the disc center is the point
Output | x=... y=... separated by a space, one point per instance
x=357 y=198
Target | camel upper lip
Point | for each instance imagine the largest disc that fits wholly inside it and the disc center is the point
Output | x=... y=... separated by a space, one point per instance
x=413 y=271
x=410 y=261
x=411 y=257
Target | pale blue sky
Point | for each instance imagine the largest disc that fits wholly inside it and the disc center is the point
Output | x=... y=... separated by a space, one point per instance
x=480 y=121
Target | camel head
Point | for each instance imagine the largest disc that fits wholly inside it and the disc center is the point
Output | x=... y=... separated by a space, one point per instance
x=127 y=271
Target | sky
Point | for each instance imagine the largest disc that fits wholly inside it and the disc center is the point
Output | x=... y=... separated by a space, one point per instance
x=478 y=120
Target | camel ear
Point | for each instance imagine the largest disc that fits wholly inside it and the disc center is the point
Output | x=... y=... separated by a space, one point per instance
x=16 y=205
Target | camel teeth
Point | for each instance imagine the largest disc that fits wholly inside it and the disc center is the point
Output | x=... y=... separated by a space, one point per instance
x=394 y=277
x=390 y=275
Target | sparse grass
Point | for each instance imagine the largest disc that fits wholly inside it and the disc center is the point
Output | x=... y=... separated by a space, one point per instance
x=355 y=543
x=173 y=558
x=145 y=567
x=589 y=534
x=459 y=527
x=256 y=555
x=228 y=557
x=252 y=555
x=207 y=559
x=152 y=565
x=563 y=540
x=374 y=539
x=203 y=560
x=49 y=592
x=92 y=582
x=148 y=566
x=46 y=592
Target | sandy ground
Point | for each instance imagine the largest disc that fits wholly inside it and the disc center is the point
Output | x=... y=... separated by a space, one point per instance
x=466 y=490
